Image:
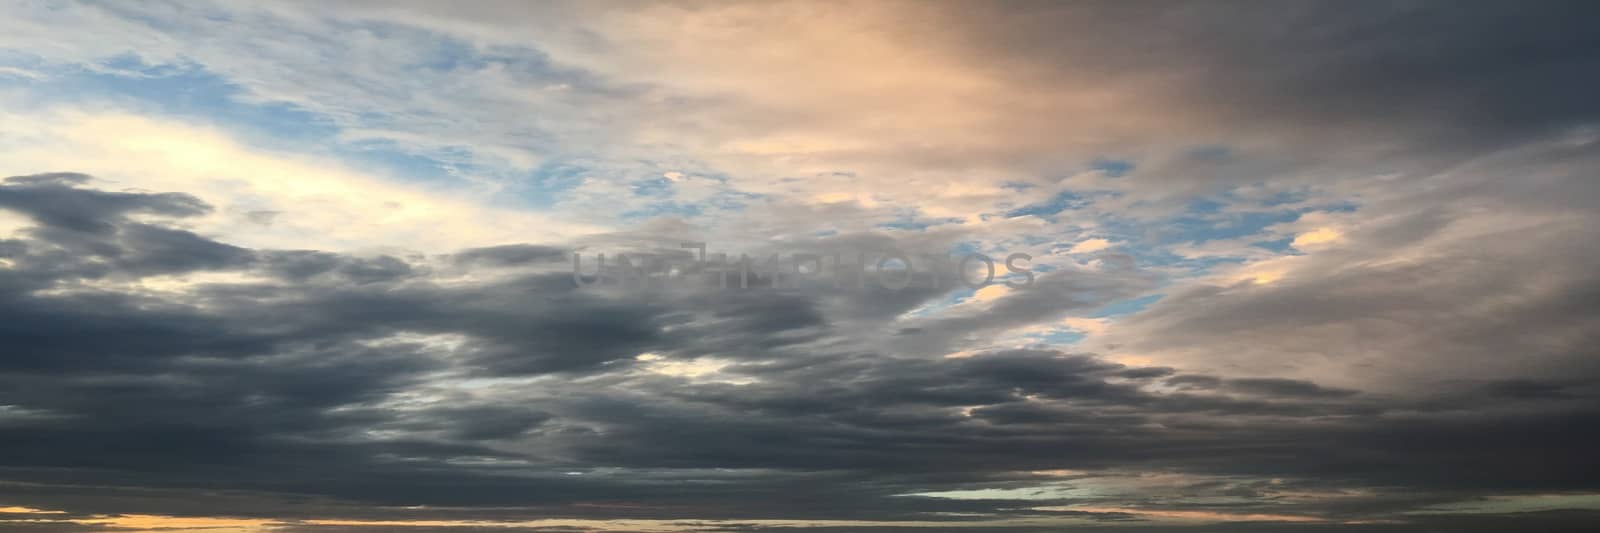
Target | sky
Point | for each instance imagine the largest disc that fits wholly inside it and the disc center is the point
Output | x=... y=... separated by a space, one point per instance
x=307 y=267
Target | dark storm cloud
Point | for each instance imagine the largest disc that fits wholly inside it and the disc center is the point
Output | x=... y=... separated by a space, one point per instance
x=361 y=381
x=512 y=254
x=86 y=232
x=1451 y=76
x=53 y=201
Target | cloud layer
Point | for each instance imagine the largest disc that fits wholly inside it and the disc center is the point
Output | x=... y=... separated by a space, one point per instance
x=1306 y=266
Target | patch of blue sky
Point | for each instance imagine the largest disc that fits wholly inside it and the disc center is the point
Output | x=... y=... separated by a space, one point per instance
x=191 y=93
x=1115 y=168
x=914 y=223
x=1148 y=247
x=733 y=200
x=652 y=187
x=956 y=295
x=394 y=161
x=1285 y=198
x=904 y=225
x=527 y=66
x=1205 y=206
x=663 y=209
x=132 y=65
x=188 y=91
x=1126 y=307
x=1342 y=206
x=451 y=55
x=1060 y=202
x=1057 y=337
x=1036 y=239
x=1225 y=215
x=15 y=58
x=1211 y=152
x=1206 y=225
x=545 y=185
x=966 y=247
x=184 y=91
x=1276 y=245
x=1210 y=220
x=438 y=167
x=1299 y=197
x=1163 y=259
x=1130 y=234
x=130 y=11
x=727 y=198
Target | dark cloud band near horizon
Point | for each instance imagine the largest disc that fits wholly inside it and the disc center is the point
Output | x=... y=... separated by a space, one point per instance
x=1291 y=267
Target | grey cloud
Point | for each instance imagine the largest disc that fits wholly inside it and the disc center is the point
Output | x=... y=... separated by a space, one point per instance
x=511 y=255
x=1284 y=387
x=1364 y=81
x=365 y=388
x=1469 y=301
x=55 y=202
x=288 y=390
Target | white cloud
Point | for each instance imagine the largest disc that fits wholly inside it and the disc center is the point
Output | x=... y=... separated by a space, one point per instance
x=320 y=203
x=1091 y=245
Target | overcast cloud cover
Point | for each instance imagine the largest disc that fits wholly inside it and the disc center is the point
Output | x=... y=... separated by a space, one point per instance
x=307 y=267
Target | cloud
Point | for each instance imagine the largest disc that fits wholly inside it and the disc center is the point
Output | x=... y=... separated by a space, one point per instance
x=1426 y=287
x=1315 y=237
x=487 y=395
x=317 y=203
x=1091 y=245
x=1334 y=267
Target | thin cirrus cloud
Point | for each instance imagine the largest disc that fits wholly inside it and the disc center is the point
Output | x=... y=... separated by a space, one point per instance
x=305 y=267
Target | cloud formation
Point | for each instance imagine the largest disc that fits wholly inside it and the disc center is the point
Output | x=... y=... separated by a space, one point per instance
x=1306 y=266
